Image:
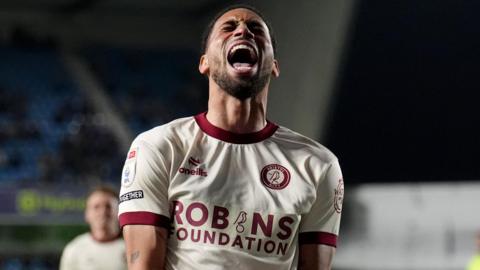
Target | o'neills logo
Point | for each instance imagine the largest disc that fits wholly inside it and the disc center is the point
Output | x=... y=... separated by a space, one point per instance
x=198 y=171
x=275 y=176
x=198 y=223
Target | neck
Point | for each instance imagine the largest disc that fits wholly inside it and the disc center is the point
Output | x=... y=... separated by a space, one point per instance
x=104 y=235
x=234 y=115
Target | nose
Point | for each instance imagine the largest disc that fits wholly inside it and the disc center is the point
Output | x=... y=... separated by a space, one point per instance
x=104 y=210
x=243 y=31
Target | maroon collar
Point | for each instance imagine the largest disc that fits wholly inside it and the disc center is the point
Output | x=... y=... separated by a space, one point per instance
x=227 y=136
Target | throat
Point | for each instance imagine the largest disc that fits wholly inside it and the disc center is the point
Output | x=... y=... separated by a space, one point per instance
x=237 y=116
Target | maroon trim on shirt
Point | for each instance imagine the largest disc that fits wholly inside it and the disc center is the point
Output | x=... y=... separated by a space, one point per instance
x=144 y=218
x=227 y=136
x=324 y=238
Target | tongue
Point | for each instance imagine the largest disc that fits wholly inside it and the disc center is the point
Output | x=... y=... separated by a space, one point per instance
x=243 y=66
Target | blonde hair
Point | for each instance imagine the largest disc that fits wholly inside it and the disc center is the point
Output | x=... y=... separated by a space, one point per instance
x=108 y=189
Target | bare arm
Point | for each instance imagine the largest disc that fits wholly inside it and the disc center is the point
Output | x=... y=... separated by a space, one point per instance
x=316 y=257
x=146 y=246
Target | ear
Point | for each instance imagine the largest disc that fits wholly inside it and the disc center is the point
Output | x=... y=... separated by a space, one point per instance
x=275 y=68
x=203 y=66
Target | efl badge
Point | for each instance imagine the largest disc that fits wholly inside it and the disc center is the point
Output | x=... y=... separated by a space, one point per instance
x=128 y=173
x=338 y=201
x=275 y=176
x=132 y=154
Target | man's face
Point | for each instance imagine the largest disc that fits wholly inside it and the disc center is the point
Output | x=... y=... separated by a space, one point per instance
x=239 y=55
x=101 y=211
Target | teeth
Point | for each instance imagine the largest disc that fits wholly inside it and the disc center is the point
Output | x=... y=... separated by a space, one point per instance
x=242 y=46
x=251 y=50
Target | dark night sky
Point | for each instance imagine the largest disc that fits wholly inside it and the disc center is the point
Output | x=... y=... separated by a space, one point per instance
x=408 y=96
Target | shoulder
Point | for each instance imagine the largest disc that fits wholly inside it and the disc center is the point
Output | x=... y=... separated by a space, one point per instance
x=79 y=241
x=294 y=141
x=164 y=139
x=72 y=251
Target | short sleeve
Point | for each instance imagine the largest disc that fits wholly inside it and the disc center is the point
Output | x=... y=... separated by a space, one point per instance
x=144 y=189
x=322 y=223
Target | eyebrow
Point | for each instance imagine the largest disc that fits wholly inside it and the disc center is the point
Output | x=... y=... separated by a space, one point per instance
x=234 y=21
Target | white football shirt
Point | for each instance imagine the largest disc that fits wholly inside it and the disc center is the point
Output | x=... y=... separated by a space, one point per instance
x=232 y=201
x=84 y=252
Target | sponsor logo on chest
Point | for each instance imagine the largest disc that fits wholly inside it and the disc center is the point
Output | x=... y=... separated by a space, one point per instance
x=194 y=168
x=251 y=231
x=272 y=176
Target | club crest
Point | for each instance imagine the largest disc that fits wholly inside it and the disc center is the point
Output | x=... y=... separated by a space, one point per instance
x=275 y=176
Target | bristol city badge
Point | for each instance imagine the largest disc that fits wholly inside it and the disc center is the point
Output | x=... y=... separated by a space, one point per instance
x=275 y=176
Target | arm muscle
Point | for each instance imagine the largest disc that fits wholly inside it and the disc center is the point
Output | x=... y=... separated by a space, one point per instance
x=146 y=246
x=316 y=257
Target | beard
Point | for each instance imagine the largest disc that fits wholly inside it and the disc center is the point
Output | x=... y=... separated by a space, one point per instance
x=242 y=88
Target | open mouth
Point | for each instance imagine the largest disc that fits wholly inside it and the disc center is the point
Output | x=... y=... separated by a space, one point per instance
x=242 y=57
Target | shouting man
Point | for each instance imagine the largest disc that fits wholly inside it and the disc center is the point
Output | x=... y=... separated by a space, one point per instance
x=228 y=189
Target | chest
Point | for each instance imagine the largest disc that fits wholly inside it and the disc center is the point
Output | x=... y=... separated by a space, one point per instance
x=246 y=197
x=102 y=257
x=258 y=177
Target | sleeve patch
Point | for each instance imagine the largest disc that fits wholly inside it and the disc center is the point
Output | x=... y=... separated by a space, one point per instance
x=132 y=154
x=128 y=173
x=132 y=195
x=338 y=199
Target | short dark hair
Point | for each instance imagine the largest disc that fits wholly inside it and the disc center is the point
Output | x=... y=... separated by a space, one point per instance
x=208 y=29
x=108 y=189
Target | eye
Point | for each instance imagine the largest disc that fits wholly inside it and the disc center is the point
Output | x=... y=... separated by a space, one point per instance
x=228 y=27
x=256 y=28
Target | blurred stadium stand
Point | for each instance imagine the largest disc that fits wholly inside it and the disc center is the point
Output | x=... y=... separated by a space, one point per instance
x=149 y=87
x=69 y=109
x=47 y=124
x=52 y=137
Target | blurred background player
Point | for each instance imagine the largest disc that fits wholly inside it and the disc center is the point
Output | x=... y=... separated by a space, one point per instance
x=474 y=263
x=102 y=247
